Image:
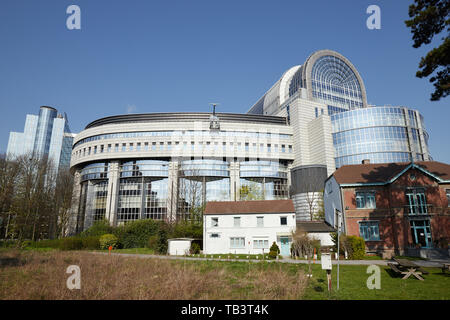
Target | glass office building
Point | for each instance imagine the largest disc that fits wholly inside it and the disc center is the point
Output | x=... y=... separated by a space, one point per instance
x=46 y=134
x=378 y=134
x=314 y=119
x=166 y=166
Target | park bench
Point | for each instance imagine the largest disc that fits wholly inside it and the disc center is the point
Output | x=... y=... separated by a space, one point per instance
x=394 y=268
x=445 y=267
x=407 y=268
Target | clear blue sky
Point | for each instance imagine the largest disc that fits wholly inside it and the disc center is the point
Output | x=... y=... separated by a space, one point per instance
x=159 y=56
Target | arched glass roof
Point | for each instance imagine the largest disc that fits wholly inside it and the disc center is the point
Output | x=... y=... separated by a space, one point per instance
x=335 y=82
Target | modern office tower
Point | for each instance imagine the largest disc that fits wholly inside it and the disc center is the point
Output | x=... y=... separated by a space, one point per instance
x=311 y=121
x=46 y=134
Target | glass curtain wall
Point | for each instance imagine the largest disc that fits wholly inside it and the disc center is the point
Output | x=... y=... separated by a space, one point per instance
x=143 y=190
x=201 y=181
x=93 y=196
x=381 y=134
x=263 y=180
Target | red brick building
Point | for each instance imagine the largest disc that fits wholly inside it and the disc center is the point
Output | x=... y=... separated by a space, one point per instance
x=398 y=208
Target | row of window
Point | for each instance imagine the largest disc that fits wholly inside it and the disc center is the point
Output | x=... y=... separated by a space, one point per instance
x=237 y=222
x=417 y=203
x=239 y=242
x=185 y=147
x=184 y=133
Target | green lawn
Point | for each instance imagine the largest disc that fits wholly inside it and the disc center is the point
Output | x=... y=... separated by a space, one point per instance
x=352 y=285
x=352 y=278
x=352 y=281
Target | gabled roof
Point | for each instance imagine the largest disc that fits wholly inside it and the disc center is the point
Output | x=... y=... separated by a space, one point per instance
x=242 y=207
x=383 y=173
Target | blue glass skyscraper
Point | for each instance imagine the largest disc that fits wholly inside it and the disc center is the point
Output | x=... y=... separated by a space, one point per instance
x=46 y=134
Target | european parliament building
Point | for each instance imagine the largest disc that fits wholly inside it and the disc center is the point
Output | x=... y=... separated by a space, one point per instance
x=314 y=119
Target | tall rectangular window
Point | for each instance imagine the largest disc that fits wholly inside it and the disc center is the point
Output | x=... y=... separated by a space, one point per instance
x=214 y=222
x=417 y=203
x=237 y=222
x=369 y=230
x=448 y=197
x=260 y=243
x=237 y=242
x=283 y=221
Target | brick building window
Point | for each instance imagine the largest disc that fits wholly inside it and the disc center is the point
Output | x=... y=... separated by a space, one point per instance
x=448 y=197
x=369 y=230
x=365 y=200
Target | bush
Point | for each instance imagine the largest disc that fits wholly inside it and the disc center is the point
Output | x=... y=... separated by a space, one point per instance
x=91 y=242
x=185 y=229
x=357 y=247
x=274 y=251
x=353 y=245
x=71 y=244
x=108 y=240
x=162 y=241
x=136 y=234
x=195 y=248
x=153 y=242
x=98 y=229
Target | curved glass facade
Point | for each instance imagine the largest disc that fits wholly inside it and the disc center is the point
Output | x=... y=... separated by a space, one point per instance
x=263 y=180
x=201 y=181
x=380 y=134
x=143 y=190
x=97 y=170
x=334 y=83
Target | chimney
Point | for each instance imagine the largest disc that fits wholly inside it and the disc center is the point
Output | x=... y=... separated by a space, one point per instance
x=366 y=161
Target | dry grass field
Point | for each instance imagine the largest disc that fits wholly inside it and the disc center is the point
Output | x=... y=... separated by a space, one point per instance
x=42 y=275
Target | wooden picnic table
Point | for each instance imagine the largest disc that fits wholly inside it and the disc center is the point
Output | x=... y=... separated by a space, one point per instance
x=409 y=268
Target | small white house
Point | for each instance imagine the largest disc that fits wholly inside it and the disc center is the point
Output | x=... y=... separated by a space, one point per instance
x=248 y=227
x=179 y=246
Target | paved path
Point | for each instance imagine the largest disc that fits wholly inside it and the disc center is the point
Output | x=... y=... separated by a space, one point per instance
x=422 y=263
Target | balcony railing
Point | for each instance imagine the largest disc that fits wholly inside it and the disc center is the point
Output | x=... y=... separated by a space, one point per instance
x=418 y=209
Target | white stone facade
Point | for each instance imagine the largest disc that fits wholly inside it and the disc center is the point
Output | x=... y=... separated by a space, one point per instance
x=253 y=234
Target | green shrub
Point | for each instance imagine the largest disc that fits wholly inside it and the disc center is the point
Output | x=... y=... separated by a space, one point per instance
x=153 y=242
x=91 y=242
x=98 y=229
x=108 y=240
x=187 y=229
x=135 y=234
x=162 y=241
x=71 y=243
x=357 y=247
x=274 y=251
x=195 y=248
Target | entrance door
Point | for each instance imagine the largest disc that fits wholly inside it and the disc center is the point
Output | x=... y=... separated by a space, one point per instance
x=285 y=249
x=421 y=233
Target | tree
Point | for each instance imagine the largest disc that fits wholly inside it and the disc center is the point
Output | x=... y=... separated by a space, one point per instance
x=429 y=19
x=251 y=191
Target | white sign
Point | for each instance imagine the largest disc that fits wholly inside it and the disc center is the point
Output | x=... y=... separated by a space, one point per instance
x=326 y=261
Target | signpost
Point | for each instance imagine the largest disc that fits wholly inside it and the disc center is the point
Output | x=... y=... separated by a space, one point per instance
x=338 y=214
x=326 y=265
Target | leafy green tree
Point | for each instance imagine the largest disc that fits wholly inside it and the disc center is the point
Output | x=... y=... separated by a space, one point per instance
x=428 y=19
